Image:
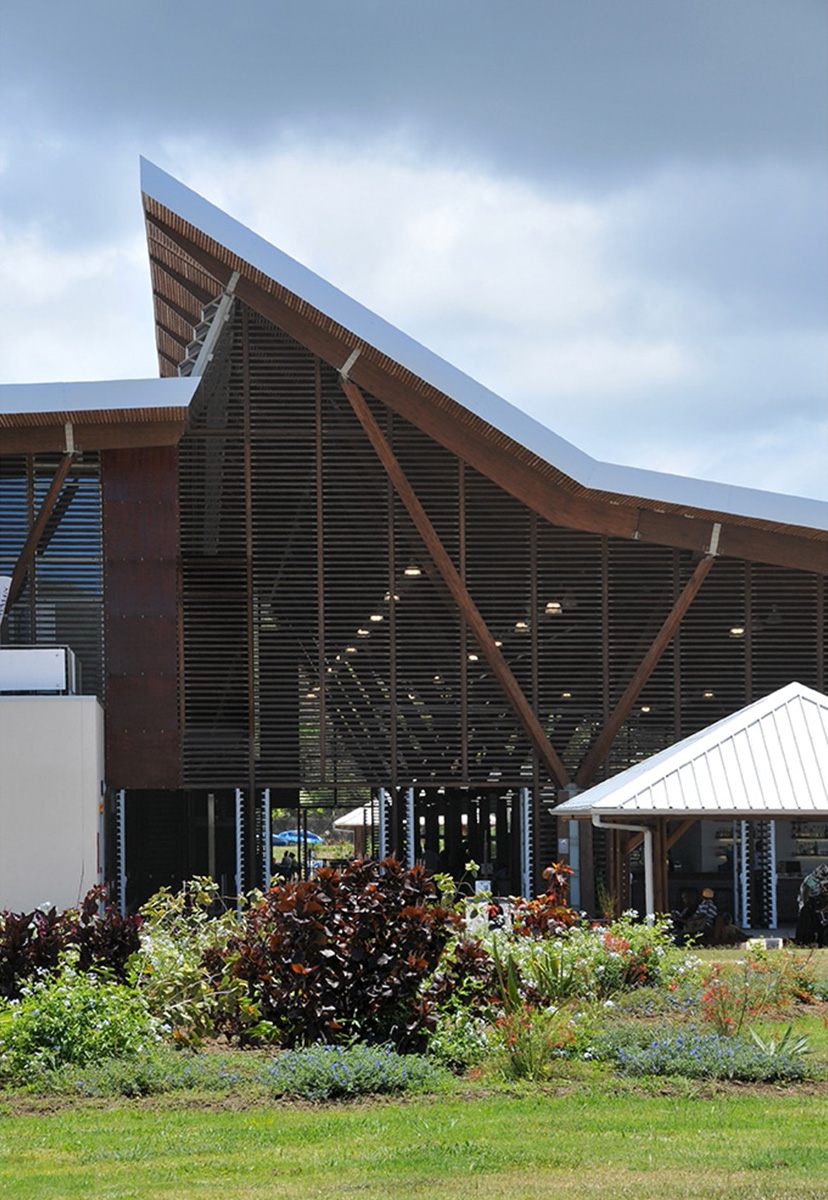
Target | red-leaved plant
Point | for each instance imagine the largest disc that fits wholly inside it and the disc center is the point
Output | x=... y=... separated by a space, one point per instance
x=340 y=956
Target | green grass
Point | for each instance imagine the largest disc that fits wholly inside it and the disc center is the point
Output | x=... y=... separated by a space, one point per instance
x=589 y=1140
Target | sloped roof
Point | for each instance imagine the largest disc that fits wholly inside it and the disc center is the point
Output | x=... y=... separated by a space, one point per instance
x=770 y=759
x=104 y=413
x=355 y=818
x=362 y=329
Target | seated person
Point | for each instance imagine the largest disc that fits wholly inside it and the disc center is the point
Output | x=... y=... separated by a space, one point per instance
x=688 y=903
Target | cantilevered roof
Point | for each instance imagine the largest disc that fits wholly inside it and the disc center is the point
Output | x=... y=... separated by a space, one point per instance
x=207 y=228
x=102 y=415
x=770 y=759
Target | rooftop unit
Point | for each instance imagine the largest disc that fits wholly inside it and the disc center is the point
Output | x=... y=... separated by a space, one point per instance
x=39 y=670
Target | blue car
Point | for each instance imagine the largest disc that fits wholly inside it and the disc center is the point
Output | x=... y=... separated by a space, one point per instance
x=290 y=837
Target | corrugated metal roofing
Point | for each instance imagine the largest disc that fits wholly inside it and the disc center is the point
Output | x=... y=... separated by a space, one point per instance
x=768 y=759
x=321 y=299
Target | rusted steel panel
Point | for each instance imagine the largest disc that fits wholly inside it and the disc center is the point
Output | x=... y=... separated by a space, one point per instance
x=129 y=636
x=152 y=757
x=140 y=542
x=140 y=588
x=139 y=703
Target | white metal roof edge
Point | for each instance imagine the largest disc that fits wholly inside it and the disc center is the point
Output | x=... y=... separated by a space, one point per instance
x=611 y=794
x=113 y=394
x=523 y=429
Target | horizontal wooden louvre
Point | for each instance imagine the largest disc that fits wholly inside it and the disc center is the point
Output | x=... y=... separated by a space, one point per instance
x=322 y=649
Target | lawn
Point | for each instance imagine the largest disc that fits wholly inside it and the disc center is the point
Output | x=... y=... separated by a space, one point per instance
x=585 y=1061
x=581 y=1139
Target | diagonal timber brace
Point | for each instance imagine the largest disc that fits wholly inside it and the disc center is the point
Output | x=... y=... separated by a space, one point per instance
x=602 y=743
x=27 y=553
x=460 y=594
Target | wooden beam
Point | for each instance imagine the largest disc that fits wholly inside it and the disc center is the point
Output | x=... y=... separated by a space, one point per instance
x=602 y=743
x=679 y=832
x=51 y=439
x=191 y=317
x=468 y=609
x=27 y=552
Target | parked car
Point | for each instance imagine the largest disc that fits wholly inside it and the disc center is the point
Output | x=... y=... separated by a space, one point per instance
x=290 y=837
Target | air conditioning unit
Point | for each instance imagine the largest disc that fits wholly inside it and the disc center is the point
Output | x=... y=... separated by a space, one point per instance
x=38 y=670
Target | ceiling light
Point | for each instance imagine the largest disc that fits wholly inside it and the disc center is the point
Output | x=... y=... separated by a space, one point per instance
x=375 y=617
x=350 y=649
x=498 y=642
x=645 y=708
x=522 y=626
x=566 y=695
x=363 y=633
x=554 y=608
x=473 y=657
x=737 y=631
x=412 y=571
x=707 y=694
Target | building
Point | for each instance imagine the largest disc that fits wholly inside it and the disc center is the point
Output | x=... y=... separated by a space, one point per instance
x=314 y=564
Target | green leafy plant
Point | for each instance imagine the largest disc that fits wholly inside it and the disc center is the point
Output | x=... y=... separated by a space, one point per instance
x=71 y=1017
x=760 y=985
x=528 y=1041
x=784 y=1046
x=177 y=929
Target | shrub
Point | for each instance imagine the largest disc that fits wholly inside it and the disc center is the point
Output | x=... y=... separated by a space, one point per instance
x=712 y=1056
x=30 y=943
x=71 y=1018
x=33 y=942
x=595 y=962
x=528 y=1041
x=176 y=930
x=161 y=1069
x=339 y=956
x=324 y=1072
x=460 y=1038
x=550 y=913
x=765 y=983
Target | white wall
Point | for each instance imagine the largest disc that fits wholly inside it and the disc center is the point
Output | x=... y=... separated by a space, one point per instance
x=51 y=774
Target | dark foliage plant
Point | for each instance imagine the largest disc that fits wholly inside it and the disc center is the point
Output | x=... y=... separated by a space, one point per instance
x=550 y=913
x=33 y=942
x=340 y=956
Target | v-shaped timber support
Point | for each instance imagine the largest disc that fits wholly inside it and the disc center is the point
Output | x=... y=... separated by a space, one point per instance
x=460 y=594
x=602 y=743
x=27 y=552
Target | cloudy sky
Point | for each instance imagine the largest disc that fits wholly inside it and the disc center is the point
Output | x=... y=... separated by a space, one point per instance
x=612 y=212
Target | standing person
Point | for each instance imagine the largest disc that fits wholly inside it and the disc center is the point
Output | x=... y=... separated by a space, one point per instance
x=286 y=867
x=812 y=922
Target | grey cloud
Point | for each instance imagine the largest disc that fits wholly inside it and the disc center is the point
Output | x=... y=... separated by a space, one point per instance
x=556 y=88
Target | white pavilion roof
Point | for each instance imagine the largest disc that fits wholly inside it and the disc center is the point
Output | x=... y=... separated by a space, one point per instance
x=770 y=759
